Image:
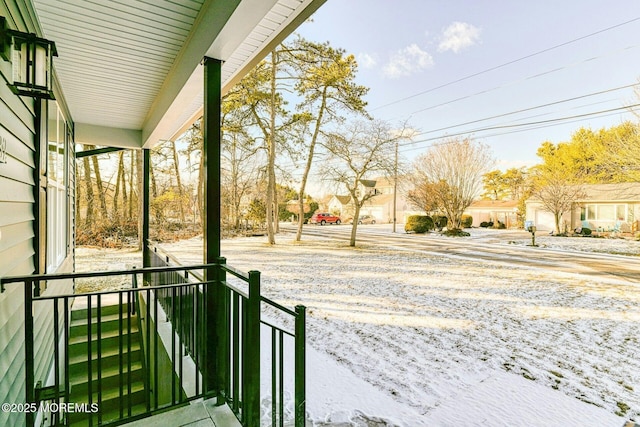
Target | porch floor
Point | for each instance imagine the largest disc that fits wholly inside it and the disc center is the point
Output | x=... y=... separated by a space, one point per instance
x=197 y=414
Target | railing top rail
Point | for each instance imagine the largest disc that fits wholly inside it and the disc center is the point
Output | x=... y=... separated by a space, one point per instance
x=234 y=271
x=36 y=277
x=278 y=306
x=123 y=291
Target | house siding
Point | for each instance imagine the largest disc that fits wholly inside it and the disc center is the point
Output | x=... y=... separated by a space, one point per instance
x=17 y=222
x=20 y=237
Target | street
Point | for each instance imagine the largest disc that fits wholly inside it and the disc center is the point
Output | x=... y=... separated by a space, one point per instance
x=495 y=249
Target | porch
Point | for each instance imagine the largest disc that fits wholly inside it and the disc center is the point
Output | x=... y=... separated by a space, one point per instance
x=198 y=414
x=183 y=342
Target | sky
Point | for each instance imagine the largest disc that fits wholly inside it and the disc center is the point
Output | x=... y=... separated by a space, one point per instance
x=451 y=67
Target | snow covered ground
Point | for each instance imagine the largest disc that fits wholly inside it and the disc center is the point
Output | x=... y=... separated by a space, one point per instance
x=418 y=339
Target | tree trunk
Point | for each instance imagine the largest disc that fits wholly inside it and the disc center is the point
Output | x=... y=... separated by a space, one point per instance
x=271 y=146
x=116 y=193
x=200 y=192
x=89 y=187
x=101 y=194
x=354 y=225
x=131 y=187
x=307 y=168
x=178 y=180
x=123 y=175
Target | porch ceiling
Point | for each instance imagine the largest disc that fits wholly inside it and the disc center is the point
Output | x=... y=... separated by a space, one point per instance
x=130 y=70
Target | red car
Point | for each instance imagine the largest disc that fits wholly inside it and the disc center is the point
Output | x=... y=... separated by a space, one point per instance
x=324 y=218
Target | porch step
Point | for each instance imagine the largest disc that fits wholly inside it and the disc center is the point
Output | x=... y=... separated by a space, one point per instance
x=110 y=377
x=110 y=339
x=108 y=356
x=119 y=344
x=81 y=313
x=108 y=322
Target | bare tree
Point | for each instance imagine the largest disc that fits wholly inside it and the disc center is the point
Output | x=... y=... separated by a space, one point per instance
x=556 y=190
x=364 y=151
x=454 y=170
x=326 y=82
x=423 y=196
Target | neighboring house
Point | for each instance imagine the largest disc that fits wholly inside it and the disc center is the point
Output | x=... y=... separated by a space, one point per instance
x=504 y=211
x=604 y=207
x=380 y=206
x=128 y=75
x=341 y=206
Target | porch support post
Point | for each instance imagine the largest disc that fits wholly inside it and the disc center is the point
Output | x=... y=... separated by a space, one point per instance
x=146 y=206
x=215 y=299
x=251 y=349
x=211 y=152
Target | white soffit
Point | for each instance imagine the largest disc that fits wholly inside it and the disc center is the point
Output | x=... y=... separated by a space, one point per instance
x=134 y=64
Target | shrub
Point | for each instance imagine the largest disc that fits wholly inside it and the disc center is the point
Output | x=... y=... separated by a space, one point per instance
x=456 y=232
x=485 y=224
x=467 y=221
x=500 y=225
x=418 y=224
x=439 y=221
x=586 y=232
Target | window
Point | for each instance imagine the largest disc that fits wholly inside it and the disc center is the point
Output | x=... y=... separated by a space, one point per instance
x=57 y=182
x=608 y=212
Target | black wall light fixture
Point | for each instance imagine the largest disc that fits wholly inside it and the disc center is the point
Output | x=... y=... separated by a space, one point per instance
x=31 y=61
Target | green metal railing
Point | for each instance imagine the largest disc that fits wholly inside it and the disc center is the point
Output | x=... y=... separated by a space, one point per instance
x=239 y=349
x=213 y=321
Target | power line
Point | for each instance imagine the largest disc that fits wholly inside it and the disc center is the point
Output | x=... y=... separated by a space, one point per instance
x=544 y=73
x=505 y=64
x=531 y=108
x=500 y=127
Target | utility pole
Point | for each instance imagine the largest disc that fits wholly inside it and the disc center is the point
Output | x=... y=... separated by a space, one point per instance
x=395 y=188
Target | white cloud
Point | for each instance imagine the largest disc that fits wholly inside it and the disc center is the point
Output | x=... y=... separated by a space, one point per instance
x=366 y=60
x=457 y=36
x=407 y=61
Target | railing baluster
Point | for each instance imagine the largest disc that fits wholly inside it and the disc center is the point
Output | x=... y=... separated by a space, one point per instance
x=147 y=353
x=235 y=352
x=130 y=298
x=180 y=342
x=67 y=326
x=89 y=356
x=155 y=351
x=120 y=354
x=281 y=376
x=300 y=397
x=173 y=346
x=28 y=349
x=56 y=356
x=251 y=350
x=274 y=373
x=195 y=350
x=99 y=355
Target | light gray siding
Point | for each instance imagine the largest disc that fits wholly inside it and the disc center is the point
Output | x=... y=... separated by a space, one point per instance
x=17 y=225
x=19 y=233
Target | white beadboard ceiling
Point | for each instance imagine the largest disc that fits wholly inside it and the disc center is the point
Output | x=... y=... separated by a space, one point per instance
x=130 y=70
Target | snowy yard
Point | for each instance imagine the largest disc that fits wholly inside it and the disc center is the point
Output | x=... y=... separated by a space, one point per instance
x=415 y=339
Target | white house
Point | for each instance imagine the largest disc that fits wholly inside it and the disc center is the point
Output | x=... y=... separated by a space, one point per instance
x=604 y=207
